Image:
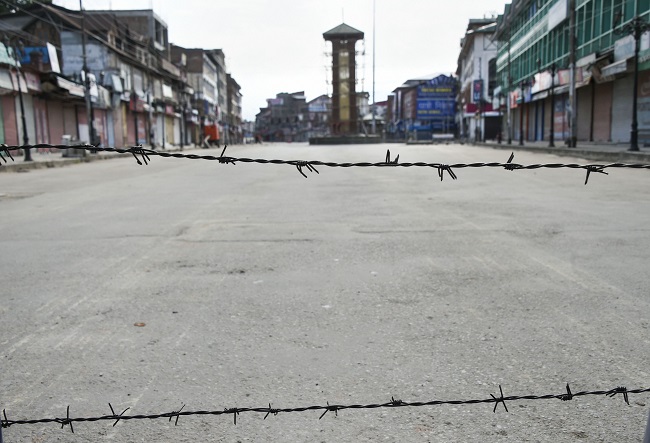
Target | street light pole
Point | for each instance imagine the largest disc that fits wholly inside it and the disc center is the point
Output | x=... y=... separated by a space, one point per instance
x=634 y=135
x=521 y=116
x=636 y=27
x=89 y=104
x=28 y=153
x=551 y=142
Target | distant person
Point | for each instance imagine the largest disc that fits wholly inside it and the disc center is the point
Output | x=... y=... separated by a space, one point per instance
x=152 y=138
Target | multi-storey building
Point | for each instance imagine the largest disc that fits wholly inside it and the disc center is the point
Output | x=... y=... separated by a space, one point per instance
x=284 y=119
x=202 y=78
x=234 y=133
x=138 y=93
x=422 y=107
x=569 y=83
x=476 y=72
x=318 y=116
x=219 y=59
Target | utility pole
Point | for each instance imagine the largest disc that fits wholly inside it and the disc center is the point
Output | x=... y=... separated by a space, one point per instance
x=509 y=106
x=521 y=115
x=551 y=138
x=635 y=27
x=89 y=105
x=14 y=56
x=374 y=105
x=573 y=105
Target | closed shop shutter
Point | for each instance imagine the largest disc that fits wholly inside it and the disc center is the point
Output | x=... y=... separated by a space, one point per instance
x=100 y=125
x=622 y=109
x=9 y=118
x=55 y=116
x=30 y=122
x=603 y=111
x=40 y=116
x=160 y=126
x=584 y=101
x=169 y=129
x=142 y=129
x=177 y=131
x=70 y=121
x=130 y=128
x=644 y=107
x=560 y=121
x=110 y=128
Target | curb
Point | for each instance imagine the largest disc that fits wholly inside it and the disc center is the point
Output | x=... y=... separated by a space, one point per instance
x=610 y=157
x=23 y=166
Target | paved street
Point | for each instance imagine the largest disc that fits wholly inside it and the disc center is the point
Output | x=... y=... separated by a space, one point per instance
x=213 y=286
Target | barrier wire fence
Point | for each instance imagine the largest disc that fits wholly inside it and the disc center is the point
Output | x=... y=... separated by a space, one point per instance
x=270 y=410
x=143 y=157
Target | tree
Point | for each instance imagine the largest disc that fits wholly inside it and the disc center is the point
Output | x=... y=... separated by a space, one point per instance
x=11 y=6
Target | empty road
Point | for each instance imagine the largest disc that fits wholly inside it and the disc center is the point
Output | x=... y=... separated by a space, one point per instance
x=189 y=282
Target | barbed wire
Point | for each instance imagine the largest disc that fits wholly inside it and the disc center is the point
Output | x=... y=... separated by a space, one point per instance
x=270 y=410
x=143 y=157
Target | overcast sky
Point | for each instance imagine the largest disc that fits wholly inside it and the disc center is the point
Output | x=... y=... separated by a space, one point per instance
x=274 y=46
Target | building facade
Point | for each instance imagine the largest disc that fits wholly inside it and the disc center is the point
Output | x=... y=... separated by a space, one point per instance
x=477 y=119
x=422 y=107
x=566 y=69
x=138 y=93
x=284 y=119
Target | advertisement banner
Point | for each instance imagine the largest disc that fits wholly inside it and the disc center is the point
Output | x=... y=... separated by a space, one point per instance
x=428 y=109
x=477 y=91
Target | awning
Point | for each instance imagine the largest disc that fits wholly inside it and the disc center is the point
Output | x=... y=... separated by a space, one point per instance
x=561 y=90
x=614 y=68
x=72 y=87
x=5 y=81
x=116 y=83
x=540 y=96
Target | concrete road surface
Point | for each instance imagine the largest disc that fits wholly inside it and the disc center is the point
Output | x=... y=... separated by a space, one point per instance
x=214 y=286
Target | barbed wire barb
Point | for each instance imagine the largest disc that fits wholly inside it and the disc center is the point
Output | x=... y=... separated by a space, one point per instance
x=389 y=161
x=234 y=412
x=442 y=169
x=594 y=168
x=176 y=414
x=140 y=150
x=619 y=390
x=568 y=396
x=7 y=152
x=305 y=164
x=271 y=411
x=225 y=160
x=328 y=408
x=117 y=416
x=509 y=166
x=501 y=400
x=67 y=420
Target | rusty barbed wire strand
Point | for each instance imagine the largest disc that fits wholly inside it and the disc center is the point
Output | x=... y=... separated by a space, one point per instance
x=393 y=403
x=310 y=165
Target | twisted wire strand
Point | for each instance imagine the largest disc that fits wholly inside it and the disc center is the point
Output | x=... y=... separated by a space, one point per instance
x=145 y=154
x=393 y=403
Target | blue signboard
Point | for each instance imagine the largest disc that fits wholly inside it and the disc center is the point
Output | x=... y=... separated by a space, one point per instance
x=27 y=54
x=436 y=98
x=428 y=109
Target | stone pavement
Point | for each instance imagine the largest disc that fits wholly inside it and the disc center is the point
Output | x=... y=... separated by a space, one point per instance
x=592 y=152
x=53 y=158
